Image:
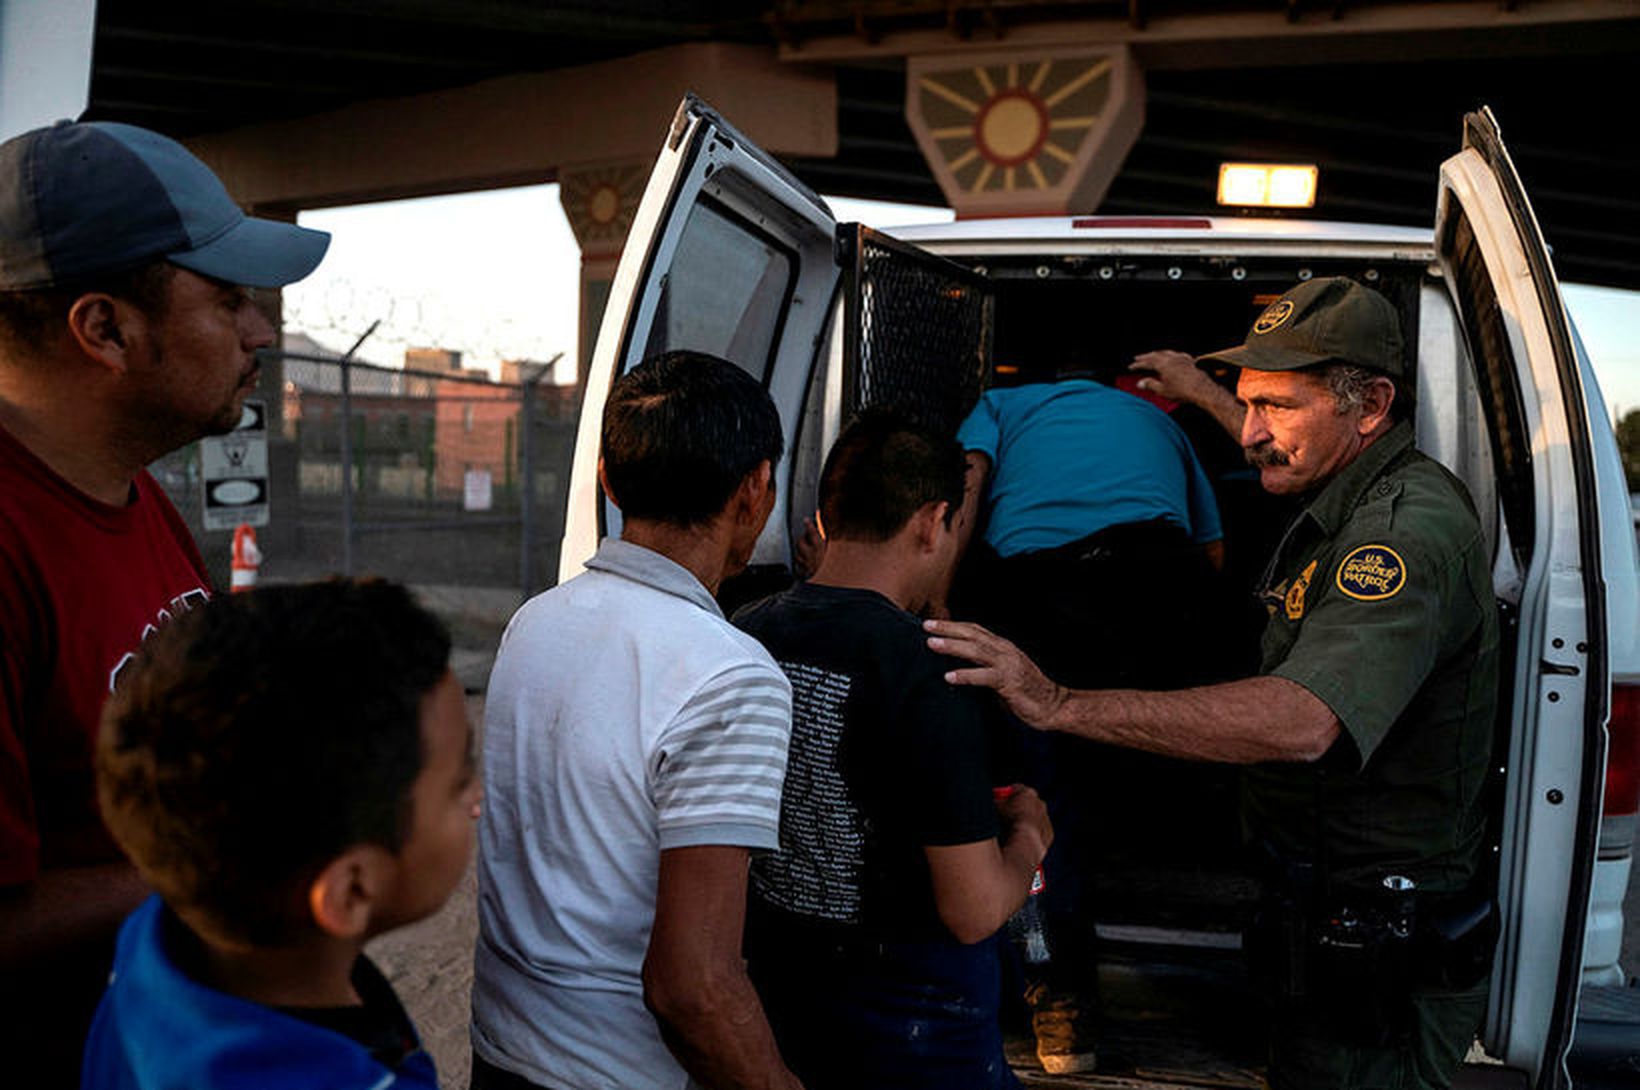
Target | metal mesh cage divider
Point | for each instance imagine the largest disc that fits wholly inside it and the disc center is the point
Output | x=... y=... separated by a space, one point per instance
x=916 y=330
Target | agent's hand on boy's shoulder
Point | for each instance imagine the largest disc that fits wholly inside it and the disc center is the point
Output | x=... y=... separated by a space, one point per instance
x=997 y=664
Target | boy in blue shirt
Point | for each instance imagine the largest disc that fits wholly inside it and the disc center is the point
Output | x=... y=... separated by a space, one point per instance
x=292 y=770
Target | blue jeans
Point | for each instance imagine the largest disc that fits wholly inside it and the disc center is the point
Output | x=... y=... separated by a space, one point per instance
x=900 y=1016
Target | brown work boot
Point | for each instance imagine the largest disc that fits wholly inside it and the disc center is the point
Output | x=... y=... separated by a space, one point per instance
x=1064 y=1033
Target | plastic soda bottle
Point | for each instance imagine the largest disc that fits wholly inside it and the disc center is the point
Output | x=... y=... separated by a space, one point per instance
x=1025 y=927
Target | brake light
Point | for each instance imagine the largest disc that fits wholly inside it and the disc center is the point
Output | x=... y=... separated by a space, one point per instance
x=1623 y=752
x=1154 y=223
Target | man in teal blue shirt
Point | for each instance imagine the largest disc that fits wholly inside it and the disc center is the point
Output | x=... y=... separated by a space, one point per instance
x=1100 y=543
x=1070 y=458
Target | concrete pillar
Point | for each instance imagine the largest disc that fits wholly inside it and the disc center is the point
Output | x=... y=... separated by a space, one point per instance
x=600 y=200
x=1035 y=132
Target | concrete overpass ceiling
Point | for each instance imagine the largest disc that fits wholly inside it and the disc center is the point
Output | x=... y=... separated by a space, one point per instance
x=1378 y=132
x=188 y=67
x=1376 y=111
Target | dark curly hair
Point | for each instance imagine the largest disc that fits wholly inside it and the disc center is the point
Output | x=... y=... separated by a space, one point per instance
x=259 y=736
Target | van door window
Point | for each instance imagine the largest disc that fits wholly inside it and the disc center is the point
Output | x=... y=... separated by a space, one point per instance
x=1496 y=381
x=726 y=292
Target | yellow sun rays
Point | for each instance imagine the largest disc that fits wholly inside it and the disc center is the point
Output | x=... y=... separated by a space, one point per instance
x=1046 y=86
x=1067 y=90
x=960 y=101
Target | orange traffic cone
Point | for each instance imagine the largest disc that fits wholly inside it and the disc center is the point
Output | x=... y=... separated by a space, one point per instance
x=246 y=559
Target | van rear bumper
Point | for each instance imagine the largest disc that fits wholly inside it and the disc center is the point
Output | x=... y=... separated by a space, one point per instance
x=1606 y=1043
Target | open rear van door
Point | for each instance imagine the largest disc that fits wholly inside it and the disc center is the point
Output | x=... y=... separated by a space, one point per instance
x=728 y=254
x=1498 y=271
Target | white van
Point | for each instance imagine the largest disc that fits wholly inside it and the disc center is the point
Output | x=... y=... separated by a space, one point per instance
x=731 y=254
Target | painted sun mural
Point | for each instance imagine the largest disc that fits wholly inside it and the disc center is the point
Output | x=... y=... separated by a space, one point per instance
x=1006 y=127
x=601 y=202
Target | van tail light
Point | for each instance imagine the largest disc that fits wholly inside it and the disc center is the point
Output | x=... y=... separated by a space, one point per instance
x=1153 y=223
x=1623 y=752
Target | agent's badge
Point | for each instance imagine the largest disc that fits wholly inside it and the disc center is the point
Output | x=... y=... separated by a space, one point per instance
x=1372 y=573
x=1274 y=317
x=1295 y=593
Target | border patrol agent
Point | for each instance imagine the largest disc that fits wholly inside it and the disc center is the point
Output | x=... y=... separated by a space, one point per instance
x=1368 y=731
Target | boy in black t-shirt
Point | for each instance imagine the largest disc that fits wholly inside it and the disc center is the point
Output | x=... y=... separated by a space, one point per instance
x=292 y=770
x=871 y=934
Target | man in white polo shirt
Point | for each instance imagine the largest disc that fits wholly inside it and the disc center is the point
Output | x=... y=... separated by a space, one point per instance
x=634 y=750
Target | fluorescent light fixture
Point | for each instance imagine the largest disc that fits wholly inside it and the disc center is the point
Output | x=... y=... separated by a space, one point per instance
x=1267 y=185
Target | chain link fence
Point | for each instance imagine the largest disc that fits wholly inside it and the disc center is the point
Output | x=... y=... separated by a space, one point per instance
x=442 y=479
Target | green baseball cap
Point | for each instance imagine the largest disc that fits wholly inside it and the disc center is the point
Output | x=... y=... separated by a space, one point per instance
x=1328 y=320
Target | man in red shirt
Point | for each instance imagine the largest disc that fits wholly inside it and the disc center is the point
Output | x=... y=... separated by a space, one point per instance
x=126 y=331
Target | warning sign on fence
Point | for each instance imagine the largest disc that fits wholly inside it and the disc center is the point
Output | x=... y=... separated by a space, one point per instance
x=234 y=468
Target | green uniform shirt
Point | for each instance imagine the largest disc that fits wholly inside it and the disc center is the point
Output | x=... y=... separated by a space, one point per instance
x=1380 y=601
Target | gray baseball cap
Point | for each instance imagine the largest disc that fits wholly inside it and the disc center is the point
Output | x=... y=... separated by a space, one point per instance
x=83 y=200
x=1328 y=320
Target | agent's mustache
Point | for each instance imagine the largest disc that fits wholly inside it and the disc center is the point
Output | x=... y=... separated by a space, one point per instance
x=1266 y=454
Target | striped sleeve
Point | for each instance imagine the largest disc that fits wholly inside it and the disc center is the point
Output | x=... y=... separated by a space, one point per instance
x=723 y=760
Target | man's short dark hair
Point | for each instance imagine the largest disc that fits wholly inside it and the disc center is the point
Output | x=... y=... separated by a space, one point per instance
x=31 y=320
x=881 y=471
x=680 y=433
x=259 y=736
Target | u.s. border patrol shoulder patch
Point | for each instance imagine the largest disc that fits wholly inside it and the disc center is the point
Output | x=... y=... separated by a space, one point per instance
x=1371 y=573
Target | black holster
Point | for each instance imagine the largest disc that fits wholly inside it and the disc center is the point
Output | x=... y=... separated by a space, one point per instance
x=1344 y=960
x=1352 y=960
